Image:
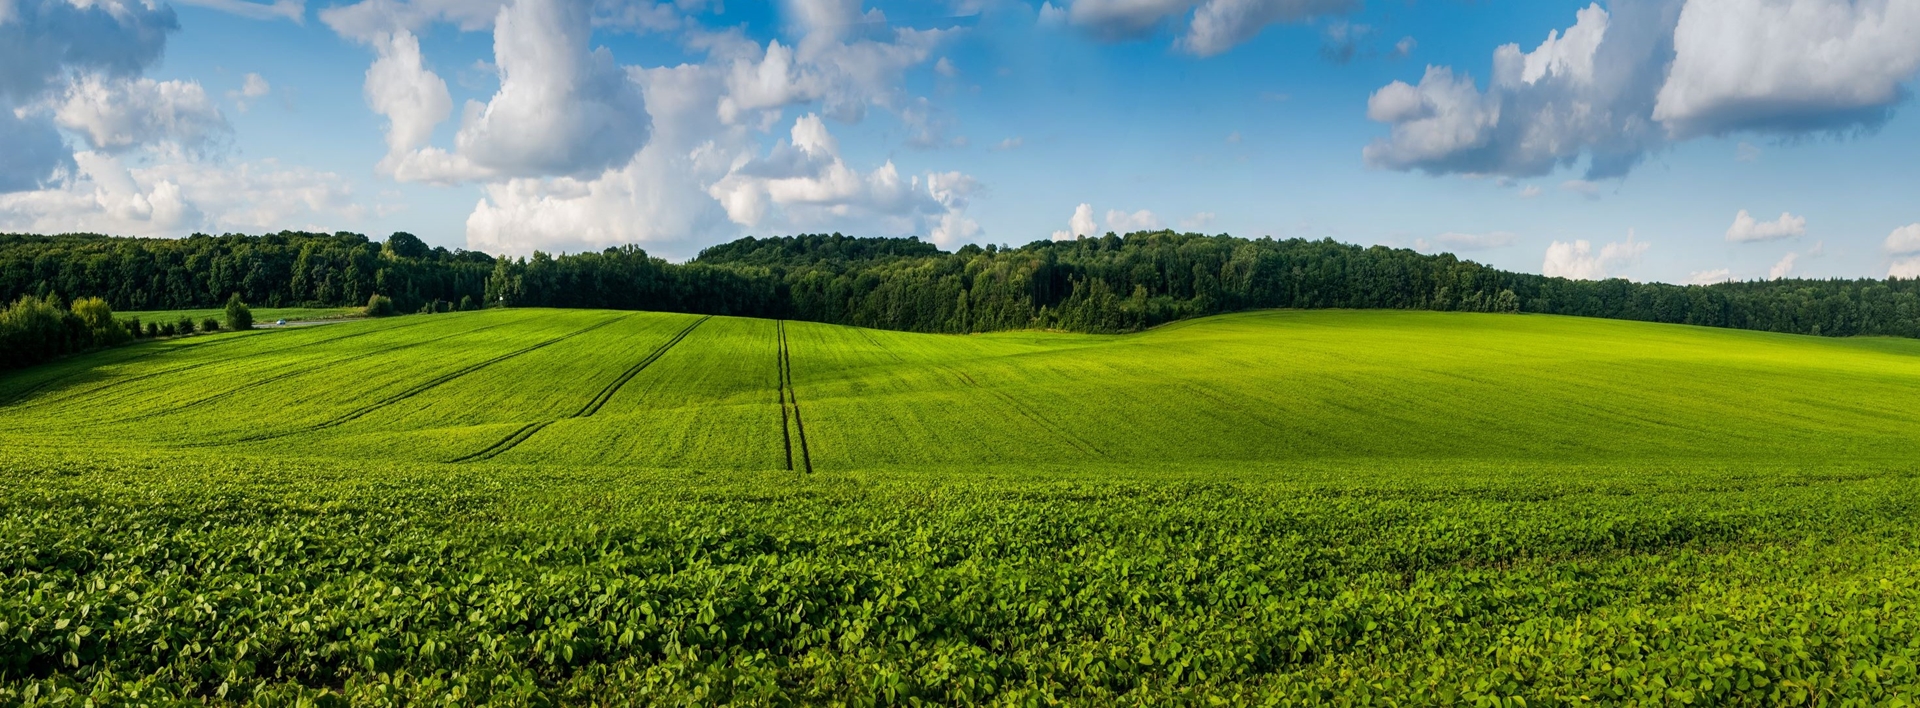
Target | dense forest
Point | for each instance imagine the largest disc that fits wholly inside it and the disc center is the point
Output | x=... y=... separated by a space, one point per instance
x=1107 y=284
x=286 y=269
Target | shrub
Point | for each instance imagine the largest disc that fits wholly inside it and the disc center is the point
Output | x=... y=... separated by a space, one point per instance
x=380 y=306
x=184 y=326
x=36 y=329
x=133 y=327
x=97 y=317
x=239 y=318
x=466 y=303
x=209 y=325
x=153 y=329
x=167 y=330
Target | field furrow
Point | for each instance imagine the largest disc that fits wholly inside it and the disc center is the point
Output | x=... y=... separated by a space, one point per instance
x=429 y=385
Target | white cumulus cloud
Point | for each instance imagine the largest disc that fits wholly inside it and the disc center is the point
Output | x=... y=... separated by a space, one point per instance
x=1746 y=229
x=1578 y=260
x=175 y=198
x=1630 y=78
x=1783 y=268
x=1709 y=277
x=1081 y=224
x=119 y=114
x=45 y=47
x=1788 y=65
x=563 y=109
x=574 y=152
x=1121 y=222
x=1904 y=240
x=1904 y=244
x=1219 y=25
x=252 y=86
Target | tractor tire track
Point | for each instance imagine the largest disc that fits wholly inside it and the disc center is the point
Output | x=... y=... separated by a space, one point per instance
x=263 y=382
x=505 y=444
x=428 y=385
x=599 y=400
x=789 y=397
x=780 y=385
x=606 y=394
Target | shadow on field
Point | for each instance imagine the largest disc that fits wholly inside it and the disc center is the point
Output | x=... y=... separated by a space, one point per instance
x=28 y=386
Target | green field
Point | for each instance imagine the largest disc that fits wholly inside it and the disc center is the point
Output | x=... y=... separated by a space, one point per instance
x=1288 y=507
x=263 y=315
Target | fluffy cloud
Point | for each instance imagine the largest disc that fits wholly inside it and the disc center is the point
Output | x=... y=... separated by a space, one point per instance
x=674 y=198
x=1783 y=268
x=1904 y=244
x=1219 y=25
x=1904 y=240
x=562 y=108
x=1081 y=224
x=42 y=46
x=1453 y=241
x=1709 y=277
x=1746 y=229
x=1585 y=92
x=809 y=181
x=575 y=153
x=251 y=87
x=1620 y=84
x=846 y=72
x=1577 y=260
x=1788 y=65
x=118 y=114
x=1215 y=26
x=1121 y=222
x=414 y=100
x=176 y=198
x=658 y=199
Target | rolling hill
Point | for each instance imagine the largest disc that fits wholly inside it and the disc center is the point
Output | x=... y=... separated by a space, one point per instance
x=684 y=391
x=1284 y=507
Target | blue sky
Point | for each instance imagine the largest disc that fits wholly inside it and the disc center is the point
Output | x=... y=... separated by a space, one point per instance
x=1579 y=139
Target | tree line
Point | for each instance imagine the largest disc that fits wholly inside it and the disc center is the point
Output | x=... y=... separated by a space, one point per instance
x=285 y=269
x=34 y=329
x=1110 y=283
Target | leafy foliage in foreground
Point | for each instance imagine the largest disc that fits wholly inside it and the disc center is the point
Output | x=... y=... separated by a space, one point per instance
x=258 y=580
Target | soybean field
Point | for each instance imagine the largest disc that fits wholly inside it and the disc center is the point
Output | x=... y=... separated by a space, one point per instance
x=528 y=506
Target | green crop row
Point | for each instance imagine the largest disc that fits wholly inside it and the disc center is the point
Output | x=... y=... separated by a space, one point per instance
x=256 y=580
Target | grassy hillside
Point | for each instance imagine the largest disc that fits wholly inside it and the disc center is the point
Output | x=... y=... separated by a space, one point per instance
x=535 y=506
x=658 y=390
